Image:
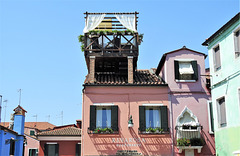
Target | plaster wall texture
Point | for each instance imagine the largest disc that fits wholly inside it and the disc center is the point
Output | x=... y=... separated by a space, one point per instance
x=193 y=95
x=128 y=100
x=225 y=82
x=66 y=148
x=5 y=148
x=31 y=144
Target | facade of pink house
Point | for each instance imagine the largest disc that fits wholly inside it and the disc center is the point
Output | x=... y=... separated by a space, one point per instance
x=128 y=100
x=184 y=72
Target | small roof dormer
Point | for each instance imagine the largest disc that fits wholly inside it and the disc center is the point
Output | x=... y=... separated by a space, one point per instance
x=19 y=111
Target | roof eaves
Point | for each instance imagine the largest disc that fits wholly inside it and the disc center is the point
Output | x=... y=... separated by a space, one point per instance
x=223 y=28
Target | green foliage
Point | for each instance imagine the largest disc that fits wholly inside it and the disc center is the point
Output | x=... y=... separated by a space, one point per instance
x=82 y=47
x=190 y=142
x=150 y=129
x=159 y=129
x=108 y=130
x=103 y=130
x=98 y=130
x=183 y=142
x=81 y=38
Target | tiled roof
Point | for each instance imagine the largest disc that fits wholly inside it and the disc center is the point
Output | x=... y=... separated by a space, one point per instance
x=141 y=77
x=37 y=125
x=67 y=131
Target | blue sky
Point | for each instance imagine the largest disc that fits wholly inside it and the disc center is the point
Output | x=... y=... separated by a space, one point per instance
x=40 y=52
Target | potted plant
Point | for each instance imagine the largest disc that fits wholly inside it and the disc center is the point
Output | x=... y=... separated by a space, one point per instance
x=183 y=142
x=98 y=130
x=140 y=38
x=150 y=130
x=158 y=130
x=107 y=130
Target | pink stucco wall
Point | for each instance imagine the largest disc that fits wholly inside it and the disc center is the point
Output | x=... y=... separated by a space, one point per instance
x=32 y=143
x=128 y=99
x=194 y=95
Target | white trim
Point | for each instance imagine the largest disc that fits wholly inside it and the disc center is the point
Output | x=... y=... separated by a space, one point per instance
x=209 y=118
x=185 y=60
x=152 y=104
x=50 y=143
x=59 y=138
x=186 y=109
x=103 y=104
x=185 y=80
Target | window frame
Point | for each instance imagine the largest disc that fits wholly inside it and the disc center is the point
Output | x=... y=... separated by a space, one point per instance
x=163 y=117
x=78 y=151
x=51 y=143
x=236 y=47
x=93 y=116
x=32 y=149
x=219 y=118
x=31 y=132
x=12 y=147
x=194 y=64
x=214 y=58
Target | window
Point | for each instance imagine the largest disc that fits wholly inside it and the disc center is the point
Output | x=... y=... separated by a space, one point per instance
x=153 y=116
x=221 y=112
x=51 y=149
x=237 y=43
x=103 y=117
x=217 y=58
x=239 y=98
x=78 y=149
x=210 y=117
x=33 y=152
x=12 y=147
x=186 y=70
x=32 y=132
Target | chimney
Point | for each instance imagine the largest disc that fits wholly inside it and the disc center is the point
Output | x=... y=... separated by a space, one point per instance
x=92 y=69
x=130 y=69
x=19 y=120
x=79 y=124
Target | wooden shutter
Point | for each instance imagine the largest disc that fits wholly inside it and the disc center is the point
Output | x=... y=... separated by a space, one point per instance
x=92 y=125
x=176 y=69
x=211 y=116
x=142 y=118
x=114 y=118
x=195 y=69
x=56 y=149
x=45 y=150
x=223 y=121
x=164 y=118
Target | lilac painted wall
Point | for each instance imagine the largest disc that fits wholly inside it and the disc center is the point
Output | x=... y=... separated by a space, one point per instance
x=194 y=95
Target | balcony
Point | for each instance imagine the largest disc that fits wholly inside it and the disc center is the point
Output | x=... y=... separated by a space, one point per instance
x=189 y=137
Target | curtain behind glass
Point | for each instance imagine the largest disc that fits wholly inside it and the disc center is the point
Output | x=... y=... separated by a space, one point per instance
x=152 y=117
x=103 y=117
x=185 y=68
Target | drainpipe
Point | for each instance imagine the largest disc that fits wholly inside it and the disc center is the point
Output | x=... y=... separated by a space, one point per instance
x=171 y=122
x=82 y=134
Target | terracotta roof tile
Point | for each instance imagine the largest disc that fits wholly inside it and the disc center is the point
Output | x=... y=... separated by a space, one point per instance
x=141 y=77
x=37 y=125
x=67 y=131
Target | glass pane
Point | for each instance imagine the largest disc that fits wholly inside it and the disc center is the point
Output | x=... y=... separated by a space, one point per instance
x=152 y=117
x=51 y=150
x=103 y=117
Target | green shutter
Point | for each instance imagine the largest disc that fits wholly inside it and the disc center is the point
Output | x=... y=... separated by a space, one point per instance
x=56 y=149
x=78 y=149
x=176 y=69
x=164 y=118
x=195 y=69
x=92 y=118
x=114 y=118
x=142 y=119
x=211 y=116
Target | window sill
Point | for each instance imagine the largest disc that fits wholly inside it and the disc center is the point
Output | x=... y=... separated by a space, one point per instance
x=185 y=80
x=103 y=133
x=152 y=133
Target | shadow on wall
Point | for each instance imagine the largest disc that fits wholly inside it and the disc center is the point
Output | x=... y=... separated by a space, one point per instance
x=110 y=144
